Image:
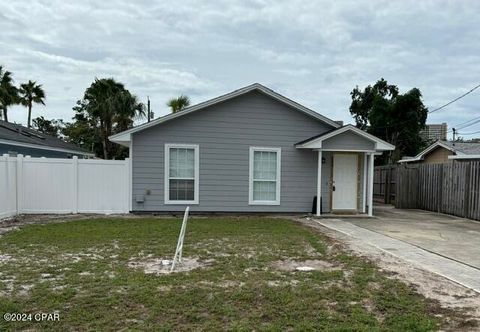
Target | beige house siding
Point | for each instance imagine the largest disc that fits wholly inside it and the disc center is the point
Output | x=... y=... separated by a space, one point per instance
x=437 y=156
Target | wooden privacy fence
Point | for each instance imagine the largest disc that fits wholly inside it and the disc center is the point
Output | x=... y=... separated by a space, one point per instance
x=384 y=178
x=451 y=188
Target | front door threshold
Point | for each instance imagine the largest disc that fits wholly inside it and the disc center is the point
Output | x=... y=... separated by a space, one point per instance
x=340 y=215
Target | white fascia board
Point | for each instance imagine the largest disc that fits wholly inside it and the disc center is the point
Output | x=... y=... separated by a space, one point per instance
x=380 y=144
x=465 y=156
x=121 y=138
x=432 y=147
x=408 y=160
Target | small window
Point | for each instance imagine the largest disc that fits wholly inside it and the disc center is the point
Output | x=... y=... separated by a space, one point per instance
x=181 y=174
x=264 y=186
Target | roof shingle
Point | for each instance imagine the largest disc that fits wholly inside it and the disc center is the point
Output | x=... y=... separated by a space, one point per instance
x=17 y=133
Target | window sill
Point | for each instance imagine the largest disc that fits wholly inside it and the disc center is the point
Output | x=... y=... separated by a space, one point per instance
x=264 y=203
x=181 y=202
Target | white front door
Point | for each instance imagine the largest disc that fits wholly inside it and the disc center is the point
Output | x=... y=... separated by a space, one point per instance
x=344 y=186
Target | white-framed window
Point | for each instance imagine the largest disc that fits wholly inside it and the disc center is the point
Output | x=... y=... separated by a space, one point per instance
x=264 y=176
x=181 y=173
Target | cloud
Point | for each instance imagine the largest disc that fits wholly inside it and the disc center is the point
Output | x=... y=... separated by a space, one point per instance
x=315 y=52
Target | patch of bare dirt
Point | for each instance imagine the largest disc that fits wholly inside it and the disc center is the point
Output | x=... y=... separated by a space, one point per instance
x=159 y=266
x=305 y=266
x=6 y=258
x=448 y=293
x=14 y=223
x=223 y=284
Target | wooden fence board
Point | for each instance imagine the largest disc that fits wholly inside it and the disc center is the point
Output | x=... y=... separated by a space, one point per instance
x=384 y=184
x=451 y=188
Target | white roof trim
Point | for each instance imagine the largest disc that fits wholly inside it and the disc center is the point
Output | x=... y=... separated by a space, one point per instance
x=432 y=147
x=406 y=160
x=380 y=145
x=45 y=147
x=122 y=137
x=465 y=156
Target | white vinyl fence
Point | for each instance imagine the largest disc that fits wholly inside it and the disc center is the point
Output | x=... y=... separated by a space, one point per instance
x=49 y=185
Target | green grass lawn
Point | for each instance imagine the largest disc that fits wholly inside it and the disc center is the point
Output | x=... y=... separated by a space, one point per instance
x=81 y=269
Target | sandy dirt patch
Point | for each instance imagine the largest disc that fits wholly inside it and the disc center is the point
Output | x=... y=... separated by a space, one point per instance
x=14 y=223
x=159 y=266
x=304 y=266
x=6 y=258
x=448 y=293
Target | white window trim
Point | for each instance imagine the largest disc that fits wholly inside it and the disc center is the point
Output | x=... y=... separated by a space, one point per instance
x=196 y=148
x=250 y=176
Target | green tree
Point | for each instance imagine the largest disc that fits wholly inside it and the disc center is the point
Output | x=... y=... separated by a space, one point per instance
x=49 y=127
x=31 y=93
x=8 y=93
x=397 y=118
x=107 y=108
x=178 y=104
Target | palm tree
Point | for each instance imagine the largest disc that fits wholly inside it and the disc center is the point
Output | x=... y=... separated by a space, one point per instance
x=179 y=103
x=127 y=109
x=112 y=108
x=30 y=93
x=8 y=92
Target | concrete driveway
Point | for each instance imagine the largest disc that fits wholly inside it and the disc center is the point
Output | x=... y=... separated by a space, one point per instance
x=442 y=244
x=448 y=236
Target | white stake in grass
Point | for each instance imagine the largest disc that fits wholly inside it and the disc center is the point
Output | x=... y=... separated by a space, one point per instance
x=178 y=251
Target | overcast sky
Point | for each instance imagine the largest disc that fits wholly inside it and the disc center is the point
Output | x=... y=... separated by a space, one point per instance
x=314 y=52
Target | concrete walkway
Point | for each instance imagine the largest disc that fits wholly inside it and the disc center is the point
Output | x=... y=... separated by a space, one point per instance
x=463 y=274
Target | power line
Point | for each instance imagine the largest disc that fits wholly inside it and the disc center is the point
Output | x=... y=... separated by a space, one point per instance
x=451 y=102
x=471 y=124
x=460 y=124
x=475 y=132
x=456 y=128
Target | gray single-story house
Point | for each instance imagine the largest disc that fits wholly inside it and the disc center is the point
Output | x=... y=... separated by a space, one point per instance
x=445 y=152
x=16 y=139
x=251 y=150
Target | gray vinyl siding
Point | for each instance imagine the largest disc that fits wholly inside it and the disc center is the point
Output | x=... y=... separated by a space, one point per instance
x=224 y=133
x=348 y=141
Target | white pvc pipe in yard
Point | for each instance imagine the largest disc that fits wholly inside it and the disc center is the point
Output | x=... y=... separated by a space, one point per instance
x=179 y=250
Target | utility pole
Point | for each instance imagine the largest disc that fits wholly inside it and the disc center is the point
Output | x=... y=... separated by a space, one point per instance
x=148 y=110
x=454 y=132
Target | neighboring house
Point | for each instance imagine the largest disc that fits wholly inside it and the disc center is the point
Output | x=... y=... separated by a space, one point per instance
x=434 y=132
x=252 y=150
x=444 y=152
x=16 y=139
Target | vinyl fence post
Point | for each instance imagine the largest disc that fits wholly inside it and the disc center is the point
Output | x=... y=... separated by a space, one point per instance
x=7 y=181
x=19 y=183
x=75 y=184
x=128 y=175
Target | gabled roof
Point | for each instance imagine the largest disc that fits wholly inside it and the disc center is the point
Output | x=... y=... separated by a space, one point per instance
x=315 y=142
x=124 y=136
x=15 y=134
x=460 y=149
x=464 y=147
